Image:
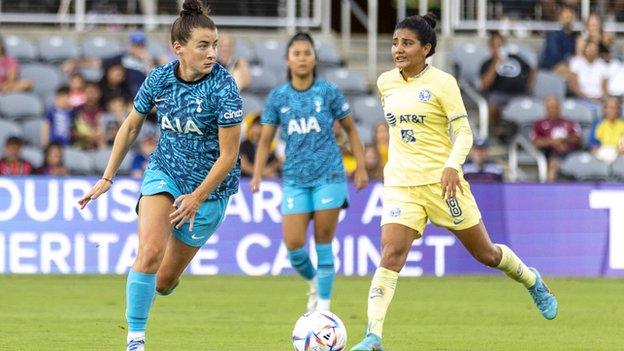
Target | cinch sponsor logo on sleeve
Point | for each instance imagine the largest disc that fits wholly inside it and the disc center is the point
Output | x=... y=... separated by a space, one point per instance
x=233 y=114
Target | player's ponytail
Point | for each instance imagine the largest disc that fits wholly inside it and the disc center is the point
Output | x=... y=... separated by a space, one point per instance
x=423 y=27
x=300 y=36
x=192 y=16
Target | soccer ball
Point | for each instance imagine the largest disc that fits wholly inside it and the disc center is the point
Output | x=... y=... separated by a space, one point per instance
x=319 y=331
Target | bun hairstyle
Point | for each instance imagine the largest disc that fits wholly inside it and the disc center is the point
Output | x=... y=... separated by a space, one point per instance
x=300 y=36
x=423 y=27
x=192 y=16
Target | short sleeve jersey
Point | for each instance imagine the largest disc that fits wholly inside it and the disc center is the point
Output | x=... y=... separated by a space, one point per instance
x=190 y=115
x=305 y=119
x=419 y=111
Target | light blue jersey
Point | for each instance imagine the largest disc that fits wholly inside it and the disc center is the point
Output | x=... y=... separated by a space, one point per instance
x=189 y=115
x=305 y=119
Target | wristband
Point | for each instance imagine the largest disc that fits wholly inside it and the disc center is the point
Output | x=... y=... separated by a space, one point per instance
x=110 y=180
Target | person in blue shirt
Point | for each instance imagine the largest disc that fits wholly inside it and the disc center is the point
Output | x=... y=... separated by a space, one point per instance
x=314 y=184
x=559 y=45
x=194 y=169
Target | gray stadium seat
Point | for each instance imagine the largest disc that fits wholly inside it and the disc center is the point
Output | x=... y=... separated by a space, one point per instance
x=548 y=83
x=156 y=49
x=58 y=48
x=34 y=155
x=271 y=53
x=367 y=110
x=21 y=106
x=468 y=58
x=46 y=78
x=243 y=50
x=262 y=80
x=527 y=53
x=577 y=111
x=20 y=48
x=78 y=161
x=100 y=161
x=585 y=166
x=523 y=111
x=617 y=168
x=328 y=54
x=251 y=103
x=92 y=74
x=101 y=47
x=8 y=129
x=32 y=131
x=348 y=81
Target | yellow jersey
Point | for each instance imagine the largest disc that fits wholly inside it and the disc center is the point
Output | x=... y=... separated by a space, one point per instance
x=419 y=111
x=610 y=133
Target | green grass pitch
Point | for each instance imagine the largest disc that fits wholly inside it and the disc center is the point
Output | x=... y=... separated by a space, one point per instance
x=258 y=313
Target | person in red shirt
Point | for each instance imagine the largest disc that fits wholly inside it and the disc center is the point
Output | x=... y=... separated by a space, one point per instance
x=9 y=70
x=12 y=163
x=555 y=136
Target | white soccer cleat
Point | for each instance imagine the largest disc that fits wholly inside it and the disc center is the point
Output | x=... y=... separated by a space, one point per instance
x=136 y=345
x=312 y=296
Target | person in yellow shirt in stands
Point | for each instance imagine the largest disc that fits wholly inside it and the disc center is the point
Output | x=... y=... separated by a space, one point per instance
x=423 y=178
x=608 y=137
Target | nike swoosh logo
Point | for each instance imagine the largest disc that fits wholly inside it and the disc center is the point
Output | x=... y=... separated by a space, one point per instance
x=197 y=237
x=159 y=100
x=326 y=201
x=457 y=222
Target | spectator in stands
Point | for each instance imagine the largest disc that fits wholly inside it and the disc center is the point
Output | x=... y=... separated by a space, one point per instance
x=503 y=77
x=615 y=78
x=53 y=164
x=147 y=146
x=76 y=90
x=479 y=168
x=88 y=134
x=114 y=83
x=555 y=136
x=117 y=109
x=137 y=61
x=237 y=66
x=248 y=151
x=9 y=73
x=12 y=163
x=381 y=139
x=59 y=120
x=607 y=140
x=594 y=33
x=590 y=73
x=559 y=45
x=372 y=162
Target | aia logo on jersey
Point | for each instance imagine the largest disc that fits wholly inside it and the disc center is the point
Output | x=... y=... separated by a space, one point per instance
x=175 y=125
x=424 y=95
x=408 y=135
x=391 y=118
x=303 y=125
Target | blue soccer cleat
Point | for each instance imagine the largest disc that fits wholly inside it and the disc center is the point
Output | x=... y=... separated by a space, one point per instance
x=370 y=343
x=136 y=345
x=545 y=301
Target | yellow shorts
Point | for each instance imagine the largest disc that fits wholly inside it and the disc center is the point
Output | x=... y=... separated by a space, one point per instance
x=411 y=206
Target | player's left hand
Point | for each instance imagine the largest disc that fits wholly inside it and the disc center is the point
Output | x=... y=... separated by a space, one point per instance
x=361 y=178
x=186 y=208
x=450 y=183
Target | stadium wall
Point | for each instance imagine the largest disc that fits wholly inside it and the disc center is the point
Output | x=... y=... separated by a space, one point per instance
x=566 y=229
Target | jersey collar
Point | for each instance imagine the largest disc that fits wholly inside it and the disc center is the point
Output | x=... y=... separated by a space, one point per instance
x=409 y=79
x=175 y=73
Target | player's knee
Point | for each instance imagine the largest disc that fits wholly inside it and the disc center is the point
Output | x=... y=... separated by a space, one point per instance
x=324 y=235
x=393 y=257
x=149 y=258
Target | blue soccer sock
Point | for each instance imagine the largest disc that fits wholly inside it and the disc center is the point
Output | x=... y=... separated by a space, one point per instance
x=300 y=261
x=325 y=271
x=140 y=291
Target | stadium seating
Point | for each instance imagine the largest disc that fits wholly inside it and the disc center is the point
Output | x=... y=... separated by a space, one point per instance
x=57 y=48
x=348 y=81
x=100 y=161
x=585 y=166
x=8 y=129
x=32 y=131
x=46 y=78
x=78 y=161
x=367 y=110
x=33 y=154
x=251 y=103
x=525 y=52
x=328 y=54
x=617 y=168
x=100 y=47
x=523 y=111
x=547 y=84
x=20 y=48
x=92 y=74
x=271 y=53
x=21 y=106
x=263 y=80
x=243 y=50
x=467 y=59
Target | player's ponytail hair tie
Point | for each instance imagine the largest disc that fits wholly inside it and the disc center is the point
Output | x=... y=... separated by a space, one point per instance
x=193 y=15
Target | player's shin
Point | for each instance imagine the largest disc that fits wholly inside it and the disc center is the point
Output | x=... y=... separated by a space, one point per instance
x=514 y=268
x=300 y=261
x=379 y=298
x=140 y=291
x=325 y=275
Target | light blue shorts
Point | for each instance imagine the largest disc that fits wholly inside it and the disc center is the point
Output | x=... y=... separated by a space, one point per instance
x=207 y=219
x=317 y=198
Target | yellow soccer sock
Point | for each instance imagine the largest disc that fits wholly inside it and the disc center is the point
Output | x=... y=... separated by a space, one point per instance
x=515 y=268
x=379 y=298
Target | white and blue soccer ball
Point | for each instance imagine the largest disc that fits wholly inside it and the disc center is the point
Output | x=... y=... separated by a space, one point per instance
x=319 y=331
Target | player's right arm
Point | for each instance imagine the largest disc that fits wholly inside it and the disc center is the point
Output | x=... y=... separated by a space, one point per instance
x=125 y=137
x=262 y=154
